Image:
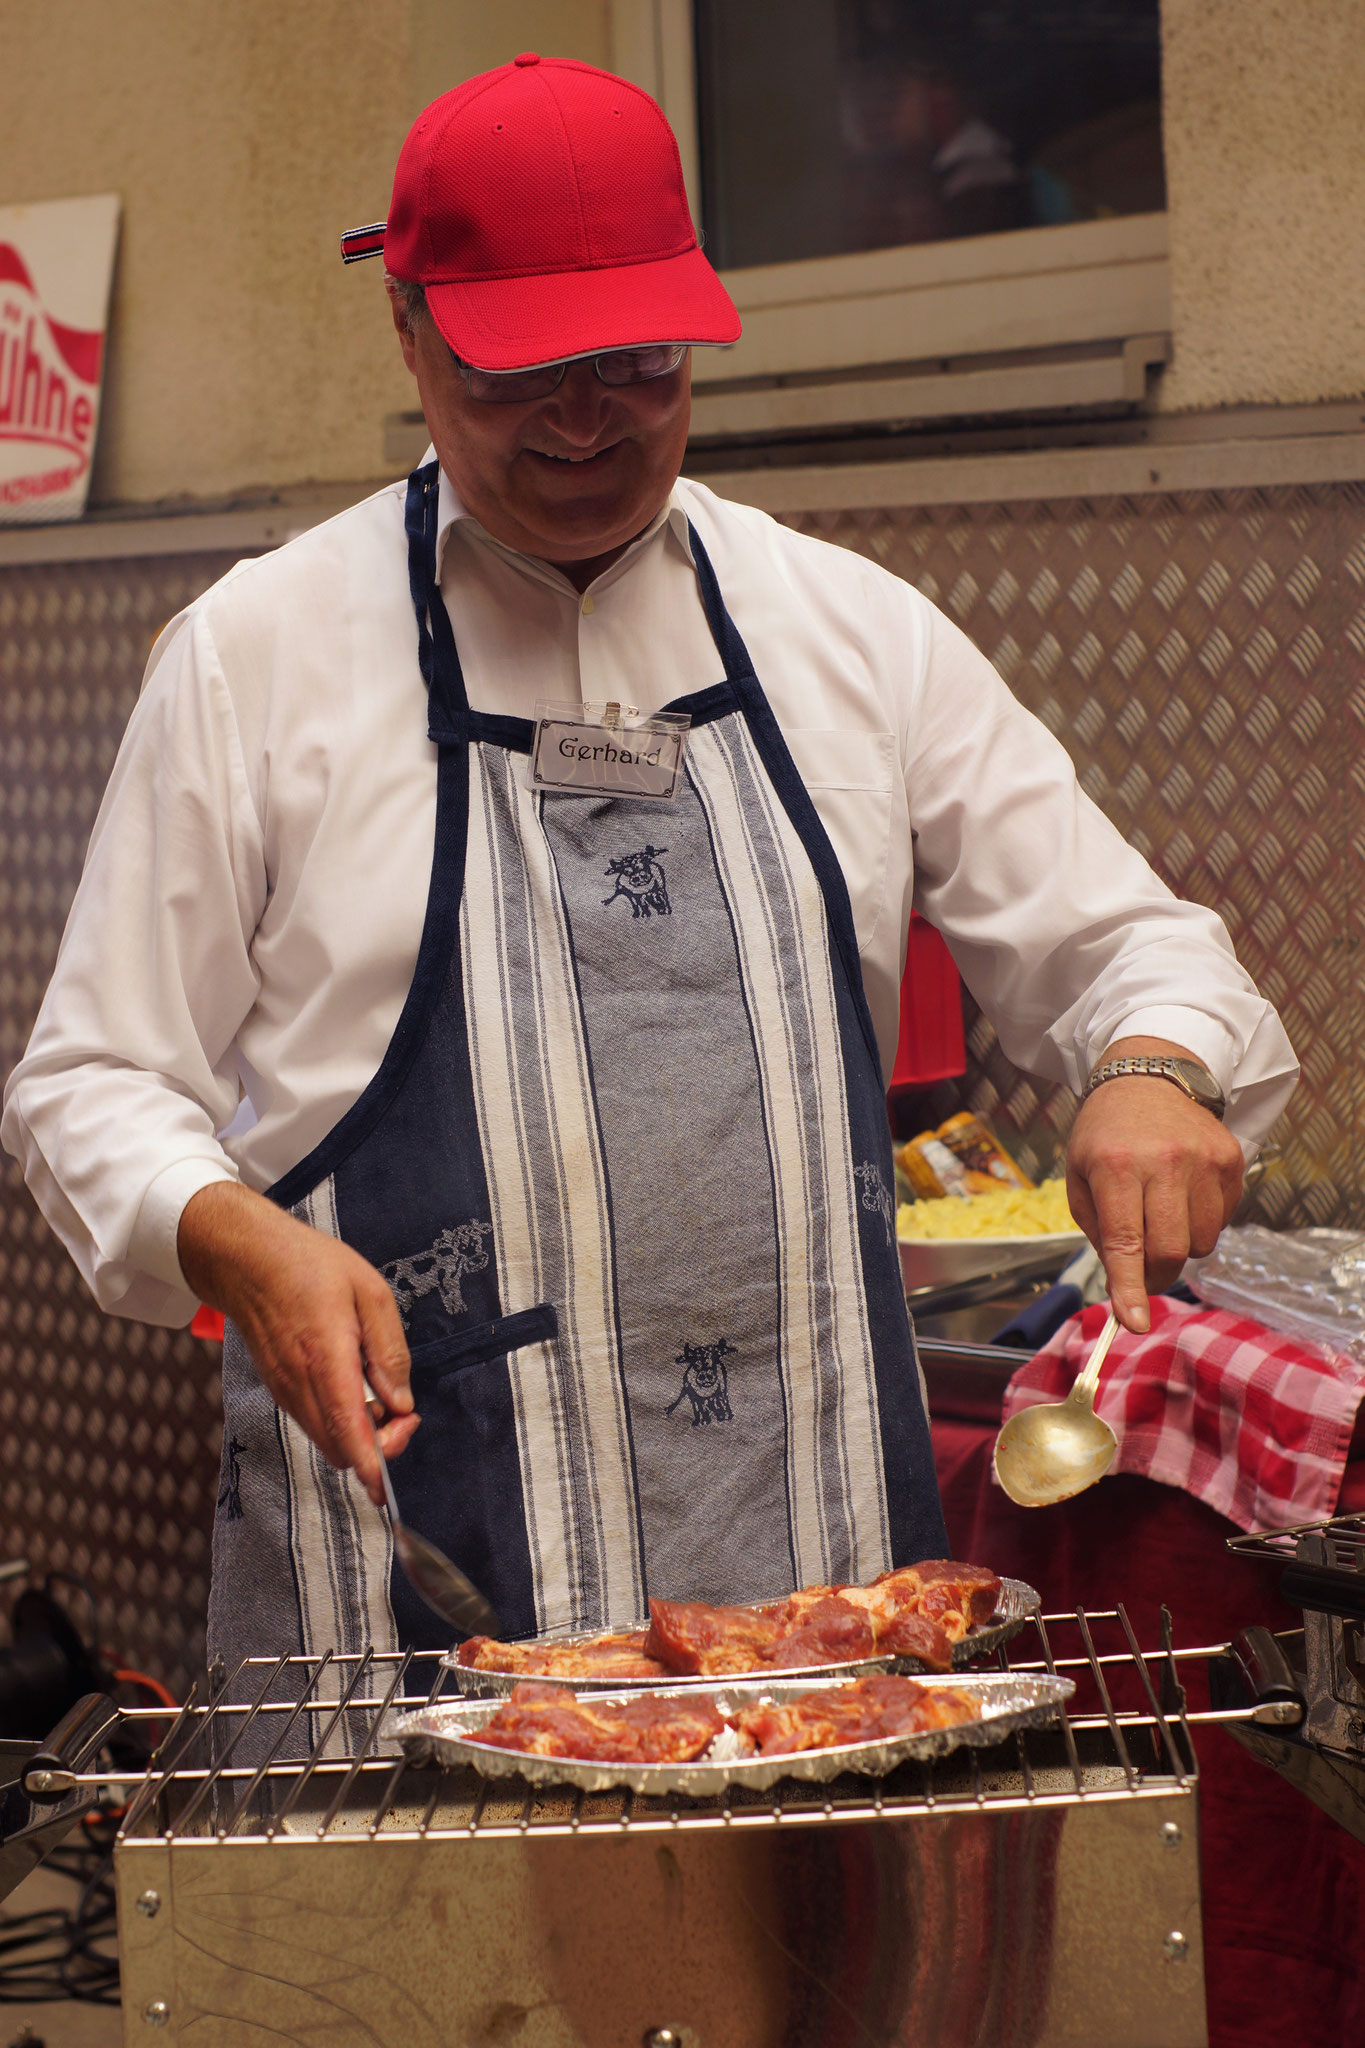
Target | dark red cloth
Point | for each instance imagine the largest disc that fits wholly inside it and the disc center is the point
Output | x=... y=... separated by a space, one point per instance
x=1284 y=1886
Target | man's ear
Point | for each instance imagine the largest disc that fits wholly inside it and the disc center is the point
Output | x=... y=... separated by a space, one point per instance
x=405 y=335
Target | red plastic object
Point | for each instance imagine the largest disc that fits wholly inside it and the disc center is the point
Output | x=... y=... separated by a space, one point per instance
x=208 y=1322
x=932 y=1046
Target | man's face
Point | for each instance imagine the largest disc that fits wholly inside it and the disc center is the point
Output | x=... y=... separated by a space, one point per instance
x=571 y=478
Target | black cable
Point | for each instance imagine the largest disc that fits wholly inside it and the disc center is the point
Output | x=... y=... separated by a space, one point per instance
x=54 y=1954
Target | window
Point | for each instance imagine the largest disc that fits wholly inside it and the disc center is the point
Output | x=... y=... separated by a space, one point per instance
x=894 y=190
x=872 y=124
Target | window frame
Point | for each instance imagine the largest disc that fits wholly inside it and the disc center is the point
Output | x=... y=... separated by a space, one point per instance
x=1033 y=289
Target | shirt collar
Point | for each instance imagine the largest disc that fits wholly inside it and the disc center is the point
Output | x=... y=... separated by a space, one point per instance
x=451 y=512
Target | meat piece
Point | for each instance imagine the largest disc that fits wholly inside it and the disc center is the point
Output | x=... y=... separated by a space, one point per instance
x=621 y=1656
x=884 y=1599
x=828 y=1630
x=558 y=1726
x=688 y=1636
x=970 y=1588
x=601 y=1657
x=872 y=1710
x=956 y=1596
x=916 y=1635
x=540 y=1720
x=673 y=1731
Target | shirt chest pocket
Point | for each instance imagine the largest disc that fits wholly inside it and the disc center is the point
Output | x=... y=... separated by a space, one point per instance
x=851 y=777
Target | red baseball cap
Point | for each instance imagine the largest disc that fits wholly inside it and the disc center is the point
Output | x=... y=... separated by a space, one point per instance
x=542 y=206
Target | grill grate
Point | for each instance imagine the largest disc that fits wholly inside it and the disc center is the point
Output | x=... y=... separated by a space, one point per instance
x=1344 y=1536
x=1126 y=1736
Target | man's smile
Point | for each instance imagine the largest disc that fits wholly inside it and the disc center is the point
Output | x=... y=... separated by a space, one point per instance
x=594 y=455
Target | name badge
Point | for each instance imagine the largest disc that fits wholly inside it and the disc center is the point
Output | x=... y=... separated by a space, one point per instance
x=608 y=750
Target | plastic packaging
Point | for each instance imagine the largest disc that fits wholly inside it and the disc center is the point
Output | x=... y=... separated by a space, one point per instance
x=971 y=1139
x=931 y=1169
x=962 y=1157
x=1308 y=1283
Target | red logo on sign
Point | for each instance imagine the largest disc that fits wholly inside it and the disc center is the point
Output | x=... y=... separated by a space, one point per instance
x=49 y=383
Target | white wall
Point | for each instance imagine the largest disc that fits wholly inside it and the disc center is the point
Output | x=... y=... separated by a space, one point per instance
x=1265 y=165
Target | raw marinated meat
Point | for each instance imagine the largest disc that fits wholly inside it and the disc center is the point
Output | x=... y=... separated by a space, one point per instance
x=602 y=1657
x=956 y=1596
x=544 y=1721
x=689 y=1636
x=540 y=1720
x=871 y=1710
x=826 y=1630
x=916 y=1635
x=917 y=1610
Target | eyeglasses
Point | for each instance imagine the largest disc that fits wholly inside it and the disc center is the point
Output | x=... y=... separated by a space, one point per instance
x=616 y=366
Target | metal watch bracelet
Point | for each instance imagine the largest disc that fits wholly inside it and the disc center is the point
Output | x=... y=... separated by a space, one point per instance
x=1162 y=1068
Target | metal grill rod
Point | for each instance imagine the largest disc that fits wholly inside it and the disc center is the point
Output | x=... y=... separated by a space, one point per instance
x=232 y=1741
x=315 y=1756
x=1073 y=1756
x=398 y=1769
x=363 y=1753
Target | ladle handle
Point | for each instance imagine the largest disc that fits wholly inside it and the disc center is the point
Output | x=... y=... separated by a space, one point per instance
x=1083 y=1392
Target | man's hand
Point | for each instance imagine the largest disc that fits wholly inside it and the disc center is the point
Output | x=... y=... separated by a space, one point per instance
x=315 y=1316
x=1151 y=1178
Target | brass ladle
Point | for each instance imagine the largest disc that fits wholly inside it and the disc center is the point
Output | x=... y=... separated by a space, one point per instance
x=1050 y=1452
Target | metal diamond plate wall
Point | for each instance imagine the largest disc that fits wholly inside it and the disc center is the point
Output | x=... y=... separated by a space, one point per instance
x=1201 y=657
x=108 y=1429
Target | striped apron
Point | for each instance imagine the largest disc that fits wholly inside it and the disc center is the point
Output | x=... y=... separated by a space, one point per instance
x=626 y=1167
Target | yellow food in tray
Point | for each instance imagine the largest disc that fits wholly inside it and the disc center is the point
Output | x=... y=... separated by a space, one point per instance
x=1003 y=1212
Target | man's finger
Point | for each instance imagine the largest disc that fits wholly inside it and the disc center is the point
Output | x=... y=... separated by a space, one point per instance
x=1122 y=1247
x=396 y=1435
x=1166 y=1229
x=346 y=1439
x=382 y=1340
x=1208 y=1213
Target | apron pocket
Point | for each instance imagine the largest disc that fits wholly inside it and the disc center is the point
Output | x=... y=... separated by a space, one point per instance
x=539 y=1325
x=459 y=1481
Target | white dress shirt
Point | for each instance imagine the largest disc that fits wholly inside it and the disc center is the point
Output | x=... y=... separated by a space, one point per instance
x=248 y=921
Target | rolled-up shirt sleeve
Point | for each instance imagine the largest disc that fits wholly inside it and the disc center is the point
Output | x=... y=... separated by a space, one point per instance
x=130 y=1072
x=1061 y=930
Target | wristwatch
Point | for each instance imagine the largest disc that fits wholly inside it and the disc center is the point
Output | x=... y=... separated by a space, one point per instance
x=1187 y=1075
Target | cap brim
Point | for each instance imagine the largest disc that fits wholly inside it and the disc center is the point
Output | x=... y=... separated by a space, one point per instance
x=511 y=323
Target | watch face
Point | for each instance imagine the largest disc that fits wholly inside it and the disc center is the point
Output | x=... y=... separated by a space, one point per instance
x=1200 y=1082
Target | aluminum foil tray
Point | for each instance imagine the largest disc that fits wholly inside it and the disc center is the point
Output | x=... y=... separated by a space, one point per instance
x=1009 y=1701
x=1016 y=1603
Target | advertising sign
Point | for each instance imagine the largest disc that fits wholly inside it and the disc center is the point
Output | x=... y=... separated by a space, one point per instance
x=56 y=266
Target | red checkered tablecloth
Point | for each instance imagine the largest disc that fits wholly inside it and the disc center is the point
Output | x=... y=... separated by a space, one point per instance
x=1254 y=1424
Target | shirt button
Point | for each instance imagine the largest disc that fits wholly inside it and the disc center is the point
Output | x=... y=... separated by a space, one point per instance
x=588 y=606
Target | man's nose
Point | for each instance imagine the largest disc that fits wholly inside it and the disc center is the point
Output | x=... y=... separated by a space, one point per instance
x=578 y=409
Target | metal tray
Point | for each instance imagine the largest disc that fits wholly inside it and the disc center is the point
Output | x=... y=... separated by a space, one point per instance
x=1009 y=1701
x=1016 y=1603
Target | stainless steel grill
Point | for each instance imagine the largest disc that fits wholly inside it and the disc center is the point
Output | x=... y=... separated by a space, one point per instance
x=1126 y=1737
x=283 y=1873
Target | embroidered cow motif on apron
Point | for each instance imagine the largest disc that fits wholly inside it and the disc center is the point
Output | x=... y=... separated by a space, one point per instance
x=626 y=1166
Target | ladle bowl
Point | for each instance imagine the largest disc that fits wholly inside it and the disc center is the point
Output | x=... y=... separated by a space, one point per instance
x=1058 y=1448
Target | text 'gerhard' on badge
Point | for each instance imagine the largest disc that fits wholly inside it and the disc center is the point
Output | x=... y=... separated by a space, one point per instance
x=608 y=750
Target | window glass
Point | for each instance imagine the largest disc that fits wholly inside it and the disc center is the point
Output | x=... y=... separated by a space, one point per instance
x=835 y=125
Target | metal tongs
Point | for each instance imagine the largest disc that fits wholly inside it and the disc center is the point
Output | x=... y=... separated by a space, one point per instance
x=431 y=1574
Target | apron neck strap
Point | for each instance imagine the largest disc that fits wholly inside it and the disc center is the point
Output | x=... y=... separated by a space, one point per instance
x=447 y=698
x=739 y=667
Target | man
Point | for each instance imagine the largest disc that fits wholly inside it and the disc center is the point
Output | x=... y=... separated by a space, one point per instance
x=569 y=1105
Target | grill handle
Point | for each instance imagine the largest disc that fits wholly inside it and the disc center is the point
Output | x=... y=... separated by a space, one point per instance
x=1324 y=1587
x=1270 y=1682
x=52 y=1770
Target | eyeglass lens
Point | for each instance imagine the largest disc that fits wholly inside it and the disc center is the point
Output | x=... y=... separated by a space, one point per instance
x=616 y=366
